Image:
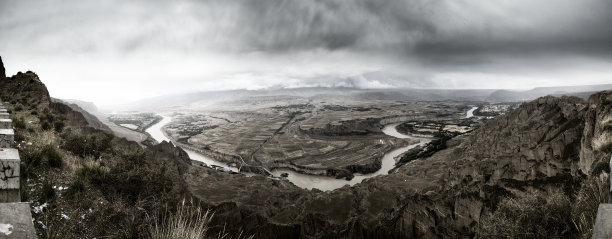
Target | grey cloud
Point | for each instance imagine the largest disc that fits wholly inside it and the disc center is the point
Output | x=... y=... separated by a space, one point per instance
x=402 y=43
x=444 y=32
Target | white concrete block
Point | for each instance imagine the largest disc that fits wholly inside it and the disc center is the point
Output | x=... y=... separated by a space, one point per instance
x=7 y=138
x=9 y=169
x=18 y=218
x=6 y=124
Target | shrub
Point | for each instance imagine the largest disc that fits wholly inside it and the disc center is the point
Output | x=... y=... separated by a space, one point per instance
x=31 y=157
x=93 y=172
x=48 y=193
x=87 y=144
x=45 y=125
x=58 y=126
x=18 y=107
x=531 y=216
x=19 y=123
x=52 y=156
x=132 y=178
x=75 y=187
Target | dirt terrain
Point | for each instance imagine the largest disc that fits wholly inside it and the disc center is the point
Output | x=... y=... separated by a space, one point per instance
x=314 y=135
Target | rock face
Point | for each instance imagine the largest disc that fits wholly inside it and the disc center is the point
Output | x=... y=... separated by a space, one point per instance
x=549 y=143
x=2 y=70
x=26 y=86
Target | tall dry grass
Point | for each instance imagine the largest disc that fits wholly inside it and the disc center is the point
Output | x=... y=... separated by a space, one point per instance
x=189 y=221
x=593 y=192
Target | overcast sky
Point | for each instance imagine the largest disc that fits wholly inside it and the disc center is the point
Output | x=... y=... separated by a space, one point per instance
x=113 y=51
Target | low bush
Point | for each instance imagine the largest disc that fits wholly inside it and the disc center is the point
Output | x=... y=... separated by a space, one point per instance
x=58 y=126
x=534 y=215
x=45 y=125
x=87 y=144
x=48 y=193
x=19 y=123
x=75 y=187
x=93 y=173
x=53 y=158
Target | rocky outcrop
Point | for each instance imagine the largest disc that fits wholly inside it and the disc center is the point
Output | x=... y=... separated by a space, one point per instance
x=597 y=115
x=2 y=70
x=91 y=120
x=25 y=89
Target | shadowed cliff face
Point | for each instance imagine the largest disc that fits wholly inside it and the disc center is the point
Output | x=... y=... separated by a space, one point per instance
x=2 y=70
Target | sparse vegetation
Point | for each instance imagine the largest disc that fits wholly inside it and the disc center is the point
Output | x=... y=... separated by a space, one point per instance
x=52 y=156
x=189 y=222
x=48 y=193
x=75 y=187
x=548 y=215
x=19 y=123
x=534 y=215
x=87 y=144
x=584 y=209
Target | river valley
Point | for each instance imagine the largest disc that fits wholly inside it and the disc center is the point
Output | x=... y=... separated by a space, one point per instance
x=304 y=180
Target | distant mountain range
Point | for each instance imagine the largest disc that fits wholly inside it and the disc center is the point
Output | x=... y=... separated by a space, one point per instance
x=355 y=94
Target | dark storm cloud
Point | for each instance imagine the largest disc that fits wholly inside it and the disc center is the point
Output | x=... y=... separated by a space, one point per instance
x=228 y=44
x=410 y=28
x=424 y=28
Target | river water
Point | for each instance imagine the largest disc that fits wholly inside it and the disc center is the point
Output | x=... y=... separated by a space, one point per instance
x=470 y=112
x=157 y=133
x=304 y=180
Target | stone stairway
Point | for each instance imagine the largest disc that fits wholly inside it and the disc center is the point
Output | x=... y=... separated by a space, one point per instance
x=15 y=216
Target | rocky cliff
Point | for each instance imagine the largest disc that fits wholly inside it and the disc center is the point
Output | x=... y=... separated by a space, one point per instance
x=2 y=70
x=549 y=143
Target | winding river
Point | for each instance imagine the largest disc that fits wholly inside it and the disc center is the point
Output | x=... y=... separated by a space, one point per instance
x=304 y=180
x=158 y=134
x=470 y=112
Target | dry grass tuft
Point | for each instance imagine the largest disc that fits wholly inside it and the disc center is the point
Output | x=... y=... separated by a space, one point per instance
x=593 y=192
x=189 y=222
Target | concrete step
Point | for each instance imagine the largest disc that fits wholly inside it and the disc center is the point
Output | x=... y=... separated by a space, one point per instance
x=4 y=116
x=603 y=223
x=6 y=123
x=16 y=221
x=7 y=138
x=9 y=175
